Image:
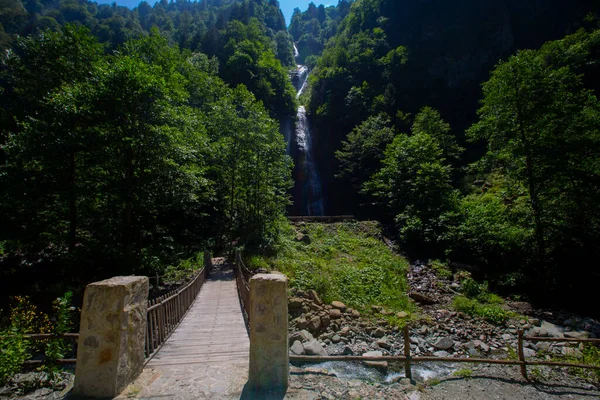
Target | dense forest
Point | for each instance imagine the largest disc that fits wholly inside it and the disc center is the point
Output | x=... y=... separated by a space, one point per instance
x=132 y=139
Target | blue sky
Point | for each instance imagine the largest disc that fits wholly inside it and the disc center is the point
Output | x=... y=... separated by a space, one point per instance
x=287 y=6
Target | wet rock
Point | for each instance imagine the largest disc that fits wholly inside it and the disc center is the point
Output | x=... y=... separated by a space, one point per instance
x=380 y=365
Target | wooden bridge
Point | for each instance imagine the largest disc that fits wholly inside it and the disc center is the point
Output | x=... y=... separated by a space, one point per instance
x=206 y=356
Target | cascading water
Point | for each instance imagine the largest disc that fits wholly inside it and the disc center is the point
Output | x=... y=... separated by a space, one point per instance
x=308 y=196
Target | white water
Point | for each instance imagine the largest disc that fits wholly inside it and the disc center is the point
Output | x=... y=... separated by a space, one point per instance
x=312 y=191
x=356 y=370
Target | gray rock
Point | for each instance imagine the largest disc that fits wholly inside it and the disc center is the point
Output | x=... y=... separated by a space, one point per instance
x=314 y=348
x=297 y=348
x=577 y=335
x=571 y=352
x=306 y=336
x=507 y=337
x=444 y=343
x=314 y=325
x=384 y=344
x=336 y=339
x=528 y=353
x=441 y=353
x=378 y=333
x=295 y=303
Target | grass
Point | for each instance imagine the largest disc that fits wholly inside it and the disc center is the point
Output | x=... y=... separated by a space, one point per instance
x=590 y=355
x=345 y=262
x=478 y=301
x=441 y=269
x=464 y=373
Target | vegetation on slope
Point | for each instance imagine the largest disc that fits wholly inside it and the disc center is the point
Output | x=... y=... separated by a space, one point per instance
x=346 y=262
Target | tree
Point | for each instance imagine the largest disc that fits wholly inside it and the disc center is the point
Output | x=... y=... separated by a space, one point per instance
x=541 y=128
x=414 y=184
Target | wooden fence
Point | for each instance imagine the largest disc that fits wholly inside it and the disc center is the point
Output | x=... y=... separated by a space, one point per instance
x=314 y=218
x=242 y=285
x=408 y=359
x=166 y=312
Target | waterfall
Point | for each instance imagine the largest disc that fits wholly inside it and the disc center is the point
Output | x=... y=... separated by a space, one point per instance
x=309 y=192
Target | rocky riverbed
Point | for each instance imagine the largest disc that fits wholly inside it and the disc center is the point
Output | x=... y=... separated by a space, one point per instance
x=335 y=329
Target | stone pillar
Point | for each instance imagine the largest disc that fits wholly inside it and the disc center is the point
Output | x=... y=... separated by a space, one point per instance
x=110 y=350
x=269 y=357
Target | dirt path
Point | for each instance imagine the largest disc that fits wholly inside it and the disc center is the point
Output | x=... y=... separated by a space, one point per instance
x=506 y=383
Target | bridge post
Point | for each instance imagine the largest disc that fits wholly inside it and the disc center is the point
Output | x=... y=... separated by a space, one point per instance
x=269 y=357
x=110 y=352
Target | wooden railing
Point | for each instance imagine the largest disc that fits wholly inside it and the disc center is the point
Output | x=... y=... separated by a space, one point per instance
x=408 y=359
x=242 y=285
x=166 y=312
x=314 y=218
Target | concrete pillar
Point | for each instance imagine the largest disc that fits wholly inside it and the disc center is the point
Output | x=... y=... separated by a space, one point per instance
x=269 y=357
x=110 y=350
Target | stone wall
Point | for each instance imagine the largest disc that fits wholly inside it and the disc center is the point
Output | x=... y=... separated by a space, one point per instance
x=110 y=352
x=269 y=357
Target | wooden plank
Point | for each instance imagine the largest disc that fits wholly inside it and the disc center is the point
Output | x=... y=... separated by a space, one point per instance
x=213 y=330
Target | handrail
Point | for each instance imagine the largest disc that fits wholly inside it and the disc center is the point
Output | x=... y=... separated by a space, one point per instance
x=242 y=285
x=166 y=312
x=319 y=218
x=408 y=359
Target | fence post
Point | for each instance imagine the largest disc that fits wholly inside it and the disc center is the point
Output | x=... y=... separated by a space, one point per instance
x=112 y=335
x=269 y=354
x=522 y=354
x=407 y=369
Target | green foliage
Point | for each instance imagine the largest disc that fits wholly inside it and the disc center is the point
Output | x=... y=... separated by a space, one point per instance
x=464 y=373
x=490 y=312
x=344 y=262
x=63 y=320
x=14 y=351
x=184 y=269
x=441 y=269
x=133 y=160
x=414 y=183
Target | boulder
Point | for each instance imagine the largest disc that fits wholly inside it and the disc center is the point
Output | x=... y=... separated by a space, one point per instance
x=339 y=305
x=314 y=348
x=335 y=314
x=378 y=333
x=380 y=365
x=384 y=344
x=314 y=296
x=306 y=336
x=444 y=343
x=297 y=348
x=314 y=325
x=345 y=331
x=577 y=335
x=421 y=298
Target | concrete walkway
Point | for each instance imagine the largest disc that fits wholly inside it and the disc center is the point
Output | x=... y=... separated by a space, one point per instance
x=207 y=355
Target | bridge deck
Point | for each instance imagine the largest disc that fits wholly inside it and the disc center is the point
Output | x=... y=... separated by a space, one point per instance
x=207 y=355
